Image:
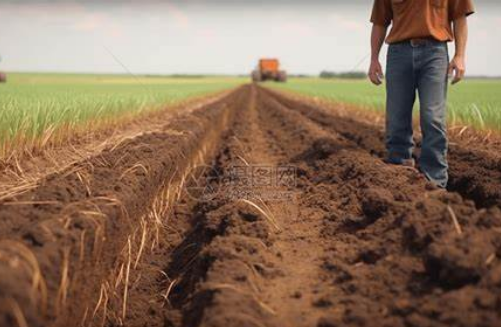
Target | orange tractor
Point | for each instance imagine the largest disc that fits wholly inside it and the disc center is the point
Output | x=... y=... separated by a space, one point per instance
x=269 y=69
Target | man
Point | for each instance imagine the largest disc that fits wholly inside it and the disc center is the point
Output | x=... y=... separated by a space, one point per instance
x=418 y=60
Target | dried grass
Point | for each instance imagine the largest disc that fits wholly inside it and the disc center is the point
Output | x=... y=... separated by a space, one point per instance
x=133 y=169
x=13 y=191
x=455 y=221
x=169 y=290
x=18 y=256
x=144 y=226
x=17 y=313
x=268 y=215
x=127 y=275
x=490 y=259
x=62 y=293
x=102 y=302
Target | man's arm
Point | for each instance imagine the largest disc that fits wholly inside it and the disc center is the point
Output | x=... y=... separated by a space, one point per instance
x=457 y=66
x=377 y=39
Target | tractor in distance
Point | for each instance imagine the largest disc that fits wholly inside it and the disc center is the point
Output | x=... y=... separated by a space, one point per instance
x=269 y=70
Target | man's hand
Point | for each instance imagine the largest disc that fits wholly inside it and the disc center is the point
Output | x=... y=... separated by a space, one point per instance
x=457 y=65
x=457 y=69
x=375 y=72
x=378 y=35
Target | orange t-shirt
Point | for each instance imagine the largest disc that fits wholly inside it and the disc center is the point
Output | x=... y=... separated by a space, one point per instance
x=413 y=19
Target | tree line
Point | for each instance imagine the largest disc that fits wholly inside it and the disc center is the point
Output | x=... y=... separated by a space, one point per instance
x=346 y=75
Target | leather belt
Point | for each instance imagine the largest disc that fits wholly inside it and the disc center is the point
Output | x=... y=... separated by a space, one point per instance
x=422 y=42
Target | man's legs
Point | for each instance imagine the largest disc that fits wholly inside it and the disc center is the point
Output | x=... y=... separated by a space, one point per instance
x=432 y=87
x=400 y=97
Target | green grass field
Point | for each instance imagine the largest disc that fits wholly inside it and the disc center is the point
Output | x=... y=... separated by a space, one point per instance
x=34 y=107
x=472 y=102
x=32 y=104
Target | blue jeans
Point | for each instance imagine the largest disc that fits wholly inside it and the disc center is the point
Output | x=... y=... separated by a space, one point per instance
x=423 y=69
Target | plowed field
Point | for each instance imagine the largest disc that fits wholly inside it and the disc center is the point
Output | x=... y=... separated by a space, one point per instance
x=254 y=210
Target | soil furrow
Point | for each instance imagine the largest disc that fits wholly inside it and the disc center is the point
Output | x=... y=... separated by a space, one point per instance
x=244 y=269
x=61 y=242
x=395 y=258
x=474 y=173
x=365 y=244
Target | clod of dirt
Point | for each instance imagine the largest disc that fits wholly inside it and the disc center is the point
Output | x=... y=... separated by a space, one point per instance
x=490 y=218
x=352 y=223
x=371 y=256
x=456 y=261
x=480 y=182
x=239 y=218
x=211 y=308
x=424 y=224
x=327 y=322
x=493 y=277
x=456 y=308
x=375 y=202
x=339 y=270
x=321 y=149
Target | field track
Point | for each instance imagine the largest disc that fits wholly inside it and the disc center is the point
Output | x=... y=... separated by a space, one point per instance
x=127 y=238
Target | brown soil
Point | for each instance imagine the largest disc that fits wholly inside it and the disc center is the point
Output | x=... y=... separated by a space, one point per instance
x=300 y=223
x=28 y=168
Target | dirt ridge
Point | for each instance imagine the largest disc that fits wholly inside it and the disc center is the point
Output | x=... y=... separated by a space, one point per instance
x=86 y=215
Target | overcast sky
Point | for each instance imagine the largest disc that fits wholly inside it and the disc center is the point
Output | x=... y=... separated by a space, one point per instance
x=207 y=36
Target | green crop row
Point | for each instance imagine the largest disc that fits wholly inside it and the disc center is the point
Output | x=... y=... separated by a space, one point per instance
x=33 y=104
x=472 y=102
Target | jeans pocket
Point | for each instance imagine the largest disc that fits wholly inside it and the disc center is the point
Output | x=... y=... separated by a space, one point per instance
x=440 y=48
x=441 y=52
x=395 y=49
x=394 y=57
